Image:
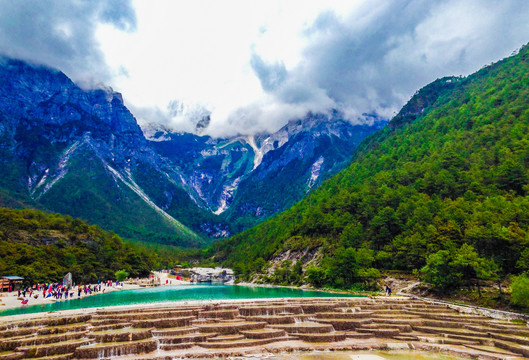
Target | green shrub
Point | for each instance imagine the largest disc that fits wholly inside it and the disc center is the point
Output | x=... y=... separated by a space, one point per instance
x=520 y=290
x=121 y=275
x=316 y=276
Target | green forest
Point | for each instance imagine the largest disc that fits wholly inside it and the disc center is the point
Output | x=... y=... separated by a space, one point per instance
x=441 y=192
x=44 y=247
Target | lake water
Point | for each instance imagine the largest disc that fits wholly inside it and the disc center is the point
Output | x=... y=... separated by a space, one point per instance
x=171 y=293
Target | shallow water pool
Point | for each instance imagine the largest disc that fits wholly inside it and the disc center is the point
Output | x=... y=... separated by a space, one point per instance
x=367 y=355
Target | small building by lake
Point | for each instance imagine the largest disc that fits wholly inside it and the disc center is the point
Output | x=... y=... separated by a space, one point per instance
x=10 y=283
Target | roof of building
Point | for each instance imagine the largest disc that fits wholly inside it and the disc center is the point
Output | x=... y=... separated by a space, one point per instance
x=13 y=277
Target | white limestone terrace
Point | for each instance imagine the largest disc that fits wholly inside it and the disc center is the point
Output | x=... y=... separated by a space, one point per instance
x=282 y=328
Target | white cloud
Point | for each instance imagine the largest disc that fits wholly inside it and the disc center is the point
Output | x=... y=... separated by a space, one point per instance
x=255 y=64
x=61 y=34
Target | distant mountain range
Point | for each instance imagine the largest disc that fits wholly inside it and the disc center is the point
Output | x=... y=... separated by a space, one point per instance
x=82 y=153
x=246 y=179
x=441 y=191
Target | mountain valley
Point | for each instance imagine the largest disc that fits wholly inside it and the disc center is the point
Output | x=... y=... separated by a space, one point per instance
x=82 y=153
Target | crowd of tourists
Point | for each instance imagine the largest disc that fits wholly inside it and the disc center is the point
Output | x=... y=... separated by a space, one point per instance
x=60 y=291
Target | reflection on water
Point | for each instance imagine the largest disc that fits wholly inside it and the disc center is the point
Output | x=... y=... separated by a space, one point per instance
x=171 y=293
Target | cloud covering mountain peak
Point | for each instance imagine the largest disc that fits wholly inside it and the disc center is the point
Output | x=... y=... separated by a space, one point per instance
x=251 y=67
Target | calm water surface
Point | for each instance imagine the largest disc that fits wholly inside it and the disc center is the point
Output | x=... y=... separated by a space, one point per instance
x=171 y=293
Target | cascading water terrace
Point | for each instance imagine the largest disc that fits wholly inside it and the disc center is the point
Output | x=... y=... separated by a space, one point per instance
x=215 y=329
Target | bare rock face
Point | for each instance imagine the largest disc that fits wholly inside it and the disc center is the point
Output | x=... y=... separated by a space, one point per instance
x=246 y=179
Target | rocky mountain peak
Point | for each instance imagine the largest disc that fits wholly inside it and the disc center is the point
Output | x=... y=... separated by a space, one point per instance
x=66 y=146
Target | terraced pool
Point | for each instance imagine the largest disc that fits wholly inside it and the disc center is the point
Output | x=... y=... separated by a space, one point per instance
x=371 y=355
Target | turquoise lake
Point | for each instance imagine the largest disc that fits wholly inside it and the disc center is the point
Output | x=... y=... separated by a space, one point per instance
x=171 y=293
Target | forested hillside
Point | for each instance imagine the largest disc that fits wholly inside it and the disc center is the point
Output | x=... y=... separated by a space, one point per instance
x=442 y=189
x=81 y=152
x=44 y=247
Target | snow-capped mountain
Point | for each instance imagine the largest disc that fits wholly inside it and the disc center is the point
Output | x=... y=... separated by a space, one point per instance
x=248 y=178
x=82 y=153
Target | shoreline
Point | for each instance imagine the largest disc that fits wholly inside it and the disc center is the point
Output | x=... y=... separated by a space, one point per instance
x=10 y=301
x=159 y=304
x=310 y=288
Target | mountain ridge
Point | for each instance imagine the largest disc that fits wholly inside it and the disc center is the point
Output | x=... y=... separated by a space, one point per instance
x=82 y=152
x=246 y=162
x=53 y=120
